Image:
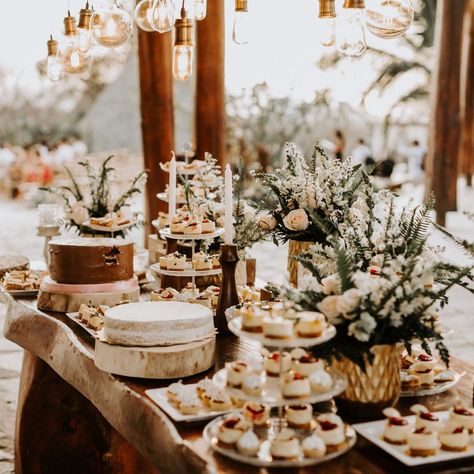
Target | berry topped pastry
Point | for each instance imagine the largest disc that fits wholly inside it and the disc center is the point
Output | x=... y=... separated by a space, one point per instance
x=426 y=419
x=462 y=416
x=397 y=428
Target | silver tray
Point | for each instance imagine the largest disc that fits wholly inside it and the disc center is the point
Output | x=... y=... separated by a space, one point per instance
x=435 y=390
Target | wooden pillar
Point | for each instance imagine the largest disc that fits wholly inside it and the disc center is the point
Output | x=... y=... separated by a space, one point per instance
x=156 y=94
x=467 y=144
x=445 y=135
x=210 y=94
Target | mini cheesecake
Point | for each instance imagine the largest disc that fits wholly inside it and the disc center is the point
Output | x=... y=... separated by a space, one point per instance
x=409 y=381
x=295 y=385
x=285 y=445
x=219 y=401
x=257 y=413
x=168 y=294
x=313 y=447
x=277 y=328
x=208 y=227
x=423 y=442
x=308 y=364
x=248 y=444
x=205 y=385
x=454 y=438
x=236 y=372
x=299 y=416
x=192 y=227
x=296 y=354
x=424 y=372
x=271 y=363
x=426 y=360
x=462 y=416
x=252 y=318
x=253 y=385
x=396 y=429
x=425 y=419
x=331 y=430
x=176 y=262
x=320 y=381
x=177 y=225
x=231 y=429
x=188 y=403
x=215 y=261
x=310 y=324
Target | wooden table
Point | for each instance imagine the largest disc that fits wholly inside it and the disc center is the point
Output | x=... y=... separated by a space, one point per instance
x=74 y=418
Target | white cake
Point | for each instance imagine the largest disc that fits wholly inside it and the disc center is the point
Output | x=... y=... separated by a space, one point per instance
x=157 y=323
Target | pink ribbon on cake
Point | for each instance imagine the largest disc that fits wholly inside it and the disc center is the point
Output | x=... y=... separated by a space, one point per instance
x=48 y=284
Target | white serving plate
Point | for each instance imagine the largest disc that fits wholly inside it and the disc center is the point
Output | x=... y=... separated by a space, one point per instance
x=158 y=395
x=271 y=394
x=235 y=325
x=166 y=234
x=75 y=317
x=435 y=390
x=264 y=459
x=189 y=272
x=109 y=229
x=373 y=432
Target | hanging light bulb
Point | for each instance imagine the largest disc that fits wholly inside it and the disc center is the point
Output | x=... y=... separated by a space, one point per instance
x=84 y=28
x=350 y=32
x=327 y=22
x=200 y=7
x=183 y=47
x=111 y=25
x=240 y=33
x=73 y=59
x=54 y=68
x=389 y=18
x=161 y=15
x=142 y=10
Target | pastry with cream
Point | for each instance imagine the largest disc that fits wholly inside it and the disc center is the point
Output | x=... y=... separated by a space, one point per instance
x=396 y=429
x=208 y=226
x=424 y=372
x=192 y=227
x=257 y=413
x=308 y=364
x=174 y=390
x=205 y=385
x=299 y=416
x=409 y=381
x=236 y=372
x=168 y=294
x=188 y=402
x=310 y=324
x=248 y=444
x=253 y=385
x=313 y=446
x=426 y=419
x=252 y=318
x=271 y=362
x=219 y=401
x=277 y=327
x=462 y=416
x=177 y=225
x=454 y=438
x=285 y=445
x=231 y=429
x=332 y=431
x=202 y=262
x=176 y=261
x=295 y=385
x=320 y=381
x=423 y=442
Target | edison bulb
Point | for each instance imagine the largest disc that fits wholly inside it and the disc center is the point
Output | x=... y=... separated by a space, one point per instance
x=111 y=25
x=72 y=58
x=350 y=32
x=84 y=38
x=389 y=18
x=200 y=9
x=161 y=15
x=183 y=62
x=142 y=10
x=241 y=30
x=54 y=68
x=327 y=31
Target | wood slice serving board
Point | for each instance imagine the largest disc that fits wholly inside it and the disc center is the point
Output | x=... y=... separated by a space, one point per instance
x=170 y=362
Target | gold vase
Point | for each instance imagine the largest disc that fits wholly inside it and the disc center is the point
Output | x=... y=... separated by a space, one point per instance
x=295 y=248
x=369 y=392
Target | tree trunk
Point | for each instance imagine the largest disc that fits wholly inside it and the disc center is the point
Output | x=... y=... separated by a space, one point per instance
x=445 y=136
x=210 y=94
x=156 y=93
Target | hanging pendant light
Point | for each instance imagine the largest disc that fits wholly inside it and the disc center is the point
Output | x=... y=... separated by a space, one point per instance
x=54 y=68
x=350 y=31
x=241 y=30
x=142 y=13
x=183 y=47
x=111 y=25
x=161 y=16
x=84 y=32
x=389 y=18
x=327 y=22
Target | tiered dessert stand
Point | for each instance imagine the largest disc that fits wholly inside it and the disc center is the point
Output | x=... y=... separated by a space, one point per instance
x=271 y=396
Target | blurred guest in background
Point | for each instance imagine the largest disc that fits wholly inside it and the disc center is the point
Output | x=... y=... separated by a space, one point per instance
x=361 y=153
x=79 y=147
x=415 y=155
x=7 y=158
x=340 y=143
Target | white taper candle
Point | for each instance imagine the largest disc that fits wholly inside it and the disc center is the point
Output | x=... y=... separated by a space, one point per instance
x=229 y=217
x=172 y=189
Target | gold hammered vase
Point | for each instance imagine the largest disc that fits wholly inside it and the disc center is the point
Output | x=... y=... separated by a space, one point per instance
x=369 y=392
x=295 y=248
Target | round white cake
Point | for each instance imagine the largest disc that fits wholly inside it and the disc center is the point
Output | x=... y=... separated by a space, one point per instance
x=157 y=323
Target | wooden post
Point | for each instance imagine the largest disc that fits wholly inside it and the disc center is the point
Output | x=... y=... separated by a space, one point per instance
x=156 y=93
x=467 y=147
x=210 y=94
x=444 y=143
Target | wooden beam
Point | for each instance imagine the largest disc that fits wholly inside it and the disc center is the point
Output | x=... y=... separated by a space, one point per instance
x=210 y=93
x=467 y=146
x=445 y=137
x=156 y=93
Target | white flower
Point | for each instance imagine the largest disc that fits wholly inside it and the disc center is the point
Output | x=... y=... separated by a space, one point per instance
x=79 y=213
x=328 y=306
x=363 y=328
x=267 y=222
x=349 y=301
x=331 y=284
x=296 y=220
x=311 y=197
x=125 y=213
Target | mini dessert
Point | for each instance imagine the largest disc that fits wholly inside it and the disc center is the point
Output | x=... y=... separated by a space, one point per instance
x=295 y=385
x=219 y=401
x=425 y=419
x=320 y=381
x=208 y=227
x=169 y=294
x=426 y=360
x=397 y=428
x=215 y=262
x=299 y=416
x=454 y=438
x=22 y=280
x=163 y=261
x=253 y=385
x=236 y=372
x=176 y=262
x=177 y=225
x=252 y=318
x=310 y=324
x=424 y=373
x=423 y=442
x=231 y=429
x=462 y=416
x=271 y=363
x=277 y=327
x=96 y=322
x=331 y=430
x=296 y=354
x=248 y=444
x=409 y=381
x=285 y=445
x=85 y=312
x=257 y=413
x=174 y=390
x=192 y=227
x=188 y=403
x=205 y=385
x=308 y=364
x=202 y=261
x=444 y=376
x=313 y=447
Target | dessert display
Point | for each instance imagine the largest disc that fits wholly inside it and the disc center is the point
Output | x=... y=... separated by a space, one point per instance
x=208 y=297
x=295 y=385
x=257 y=413
x=285 y=445
x=22 y=280
x=396 y=429
x=183 y=167
x=9 y=263
x=299 y=416
x=157 y=323
x=91 y=316
x=112 y=219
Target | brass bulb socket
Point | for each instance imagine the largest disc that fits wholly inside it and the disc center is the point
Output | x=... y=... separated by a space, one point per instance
x=70 y=26
x=85 y=16
x=52 y=47
x=184 y=32
x=327 y=8
x=241 y=6
x=354 y=4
